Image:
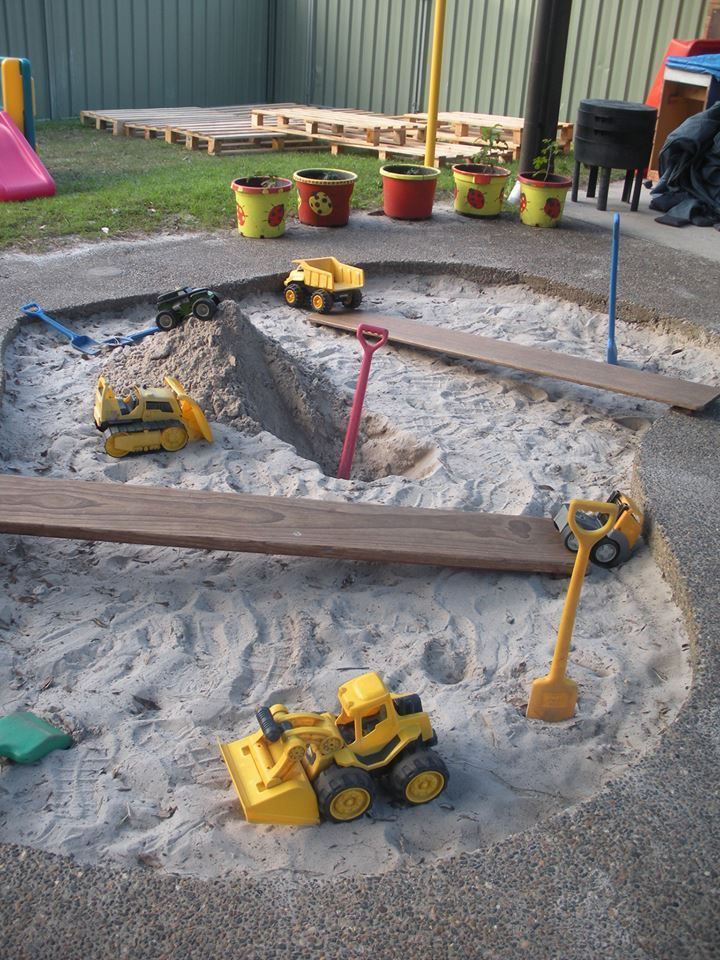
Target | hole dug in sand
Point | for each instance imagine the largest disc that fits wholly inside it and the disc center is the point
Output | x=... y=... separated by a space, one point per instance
x=243 y=378
x=148 y=656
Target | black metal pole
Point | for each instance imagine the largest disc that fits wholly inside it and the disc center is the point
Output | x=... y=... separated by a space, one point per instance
x=547 y=66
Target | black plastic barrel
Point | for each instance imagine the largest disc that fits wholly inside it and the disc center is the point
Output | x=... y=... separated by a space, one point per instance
x=614 y=134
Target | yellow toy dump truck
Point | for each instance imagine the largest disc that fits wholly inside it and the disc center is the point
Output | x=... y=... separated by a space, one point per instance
x=299 y=767
x=322 y=282
x=148 y=418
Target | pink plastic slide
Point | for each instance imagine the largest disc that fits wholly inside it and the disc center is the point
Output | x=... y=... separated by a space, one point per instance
x=22 y=173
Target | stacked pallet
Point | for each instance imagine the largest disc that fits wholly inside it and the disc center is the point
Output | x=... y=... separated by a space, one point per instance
x=468 y=128
x=218 y=129
x=354 y=129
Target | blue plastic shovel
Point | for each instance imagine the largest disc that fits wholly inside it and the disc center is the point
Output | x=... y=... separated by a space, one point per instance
x=81 y=341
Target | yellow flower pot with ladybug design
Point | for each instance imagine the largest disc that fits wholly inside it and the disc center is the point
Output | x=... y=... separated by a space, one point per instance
x=542 y=200
x=261 y=204
x=479 y=189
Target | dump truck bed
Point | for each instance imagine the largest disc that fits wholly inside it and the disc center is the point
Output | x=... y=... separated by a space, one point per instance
x=327 y=273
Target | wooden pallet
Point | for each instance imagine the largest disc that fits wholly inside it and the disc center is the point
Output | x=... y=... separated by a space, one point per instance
x=682 y=394
x=126 y=513
x=459 y=127
x=344 y=125
x=221 y=129
x=355 y=129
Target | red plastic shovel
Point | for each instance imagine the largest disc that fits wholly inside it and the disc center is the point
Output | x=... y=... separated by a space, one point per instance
x=369 y=348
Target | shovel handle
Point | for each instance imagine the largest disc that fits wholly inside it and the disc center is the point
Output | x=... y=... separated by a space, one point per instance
x=370 y=346
x=588 y=537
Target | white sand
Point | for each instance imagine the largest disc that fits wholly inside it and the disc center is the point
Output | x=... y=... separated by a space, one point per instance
x=87 y=629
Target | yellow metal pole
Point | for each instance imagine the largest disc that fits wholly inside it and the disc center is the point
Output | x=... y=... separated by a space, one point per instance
x=434 y=92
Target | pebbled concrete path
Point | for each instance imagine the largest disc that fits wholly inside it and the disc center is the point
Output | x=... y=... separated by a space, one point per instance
x=633 y=874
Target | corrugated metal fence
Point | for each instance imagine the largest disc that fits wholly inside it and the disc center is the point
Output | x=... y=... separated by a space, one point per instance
x=371 y=54
x=89 y=54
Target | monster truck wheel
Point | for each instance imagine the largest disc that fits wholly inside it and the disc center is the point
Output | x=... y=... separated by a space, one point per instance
x=418 y=777
x=204 y=309
x=344 y=793
x=166 y=320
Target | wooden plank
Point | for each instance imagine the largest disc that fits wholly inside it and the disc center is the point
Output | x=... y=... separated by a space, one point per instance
x=544 y=363
x=126 y=513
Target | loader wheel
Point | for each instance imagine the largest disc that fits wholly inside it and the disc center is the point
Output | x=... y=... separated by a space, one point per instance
x=204 y=309
x=344 y=793
x=606 y=553
x=418 y=777
x=166 y=320
x=293 y=294
x=321 y=301
x=173 y=438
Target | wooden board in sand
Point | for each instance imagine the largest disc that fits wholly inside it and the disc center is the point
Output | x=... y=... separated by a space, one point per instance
x=683 y=394
x=126 y=513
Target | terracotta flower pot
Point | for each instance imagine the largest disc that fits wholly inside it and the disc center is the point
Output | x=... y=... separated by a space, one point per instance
x=324 y=196
x=408 y=190
x=542 y=200
x=479 y=189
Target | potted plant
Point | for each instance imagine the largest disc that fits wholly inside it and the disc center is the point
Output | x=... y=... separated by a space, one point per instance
x=480 y=184
x=261 y=203
x=408 y=190
x=543 y=192
x=324 y=196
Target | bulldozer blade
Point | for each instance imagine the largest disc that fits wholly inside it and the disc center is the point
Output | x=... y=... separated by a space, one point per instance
x=552 y=700
x=293 y=801
x=195 y=420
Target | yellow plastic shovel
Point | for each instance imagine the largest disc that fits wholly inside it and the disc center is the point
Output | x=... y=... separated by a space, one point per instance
x=554 y=697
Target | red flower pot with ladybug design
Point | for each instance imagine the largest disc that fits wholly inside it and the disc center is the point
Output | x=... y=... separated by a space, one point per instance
x=261 y=203
x=479 y=189
x=324 y=196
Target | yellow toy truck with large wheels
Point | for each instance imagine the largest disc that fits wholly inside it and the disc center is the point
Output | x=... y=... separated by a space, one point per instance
x=322 y=282
x=148 y=418
x=301 y=767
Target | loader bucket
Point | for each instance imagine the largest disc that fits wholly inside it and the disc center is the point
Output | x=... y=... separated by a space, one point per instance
x=293 y=801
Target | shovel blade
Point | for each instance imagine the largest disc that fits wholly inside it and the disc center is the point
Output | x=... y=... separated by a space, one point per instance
x=552 y=700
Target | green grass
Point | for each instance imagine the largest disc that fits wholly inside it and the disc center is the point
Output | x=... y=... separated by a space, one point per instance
x=134 y=186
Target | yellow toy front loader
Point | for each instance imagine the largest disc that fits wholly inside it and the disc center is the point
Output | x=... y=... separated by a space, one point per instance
x=299 y=767
x=148 y=418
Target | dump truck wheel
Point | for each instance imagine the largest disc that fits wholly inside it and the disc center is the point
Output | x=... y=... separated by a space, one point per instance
x=569 y=540
x=344 y=793
x=293 y=294
x=352 y=300
x=173 y=438
x=166 y=320
x=418 y=777
x=321 y=301
x=204 y=309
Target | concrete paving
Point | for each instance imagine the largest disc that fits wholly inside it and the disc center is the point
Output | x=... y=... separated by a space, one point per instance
x=632 y=874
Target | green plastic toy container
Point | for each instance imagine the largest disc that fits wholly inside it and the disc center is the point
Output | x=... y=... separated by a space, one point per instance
x=261 y=205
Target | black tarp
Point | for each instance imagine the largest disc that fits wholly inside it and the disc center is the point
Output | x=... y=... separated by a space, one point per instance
x=688 y=190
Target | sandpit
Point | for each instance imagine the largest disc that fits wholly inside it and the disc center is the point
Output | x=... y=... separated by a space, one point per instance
x=148 y=656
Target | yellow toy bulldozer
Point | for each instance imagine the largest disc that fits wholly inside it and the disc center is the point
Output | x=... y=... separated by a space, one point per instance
x=299 y=767
x=148 y=418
